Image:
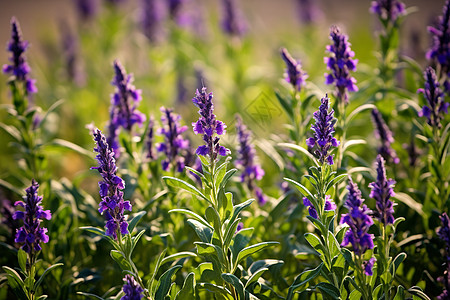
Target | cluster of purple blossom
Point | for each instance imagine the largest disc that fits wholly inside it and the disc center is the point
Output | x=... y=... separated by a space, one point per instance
x=384 y=134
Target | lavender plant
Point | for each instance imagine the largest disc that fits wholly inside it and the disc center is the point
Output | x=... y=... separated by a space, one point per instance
x=31 y=235
x=221 y=245
x=383 y=133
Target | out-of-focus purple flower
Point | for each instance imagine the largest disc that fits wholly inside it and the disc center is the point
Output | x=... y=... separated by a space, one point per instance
x=208 y=126
x=388 y=10
x=115 y=2
x=112 y=204
x=174 y=143
x=329 y=205
x=340 y=63
x=132 y=289
x=19 y=66
x=86 y=9
x=113 y=132
x=444 y=234
x=70 y=53
x=384 y=134
x=181 y=89
x=368 y=266
x=382 y=191
x=294 y=73
x=323 y=133
x=126 y=99
x=308 y=11
x=239 y=227
x=413 y=152
x=7 y=212
x=233 y=22
x=150 y=138
x=359 y=220
x=31 y=233
x=440 y=50
x=152 y=14
x=435 y=98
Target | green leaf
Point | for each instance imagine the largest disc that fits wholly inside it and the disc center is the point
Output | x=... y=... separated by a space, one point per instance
x=120 y=259
x=302 y=279
x=376 y=292
x=199 y=174
x=236 y=283
x=241 y=239
x=213 y=217
x=231 y=230
x=158 y=264
x=400 y=295
x=285 y=104
x=333 y=245
x=42 y=297
x=255 y=276
x=410 y=202
x=251 y=250
x=336 y=180
x=181 y=184
x=89 y=295
x=59 y=143
x=178 y=255
x=39 y=281
x=328 y=289
x=22 y=258
x=348 y=257
x=225 y=204
x=396 y=263
x=135 y=240
x=188 y=289
x=356 y=295
x=12 y=131
x=204 y=233
x=350 y=143
x=417 y=291
x=300 y=149
x=16 y=283
x=358 y=110
x=165 y=282
x=301 y=188
x=216 y=289
x=193 y=215
x=315 y=242
x=237 y=210
x=137 y=217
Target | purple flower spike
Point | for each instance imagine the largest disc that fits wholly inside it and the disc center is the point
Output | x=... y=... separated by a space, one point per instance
x=233 y=22
x=437 y=107
x=340 y=63
x=31 y=233
x=247 y=159
x=294 y=73
x=87 y=9
x=359 y=220
x=174 y=144
x=382 y=190
x=329 y=206
x=444 y=234
x=440 y=50
x=150 y=138
x=152 y=14
x=388 y=10
x=368 y=266
x=19 y=66
x=323 y=133
x=111 y=188
x=132 y=289
x=208 y=126
x=384 y=134
x=308 y=11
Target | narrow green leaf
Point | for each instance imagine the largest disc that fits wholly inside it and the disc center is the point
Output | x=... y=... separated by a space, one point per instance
x=89 y=295
x=188 y=289
x=155 y=271
x=120 y=260
x=216 y=289
x=12 y=131
x=300 y=149
x=285 y=104
x=181 y=184
x=165 y=281
x=301 y=188
x=409 y=201
x=255 y=276
x=193 y=215
x=227 y=177
x=39 y=281
x=400 y=295
x=236 y=283
x=315 y=242
x=16 y=283
x=251 y=250
x=417 y=291
x=59 y=143
x=178 y=255
x=328 y=289
x=135 y=239
x=137 y=217
x=358 y=110
x=355 y=295
x=204 y=233
x=396 y=263
x=22 y=258
x=199 y=174
x=231 y=230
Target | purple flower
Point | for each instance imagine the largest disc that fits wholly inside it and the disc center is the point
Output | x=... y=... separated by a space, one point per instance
x=444 y=234
x=383 y=133
x=112 y=204
x=19 y=66
x=340 y=63
x=246 y=156
x=323 y=132
x=435 y=98
x=152 y=14
x=388 y=10
x=233 y=22
x=149 y=142
x=132 y=289
x=124 y=101
x=329 y=206
x=359 y=220
x=440 y=50
x=31 y=233
x=382 y=190
x=308 y=11
x=174 y=143
x=86 y=8
x=294 y=73
x=368 y=266
x=7 y=212
x=208 y=126
x=239 y=227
